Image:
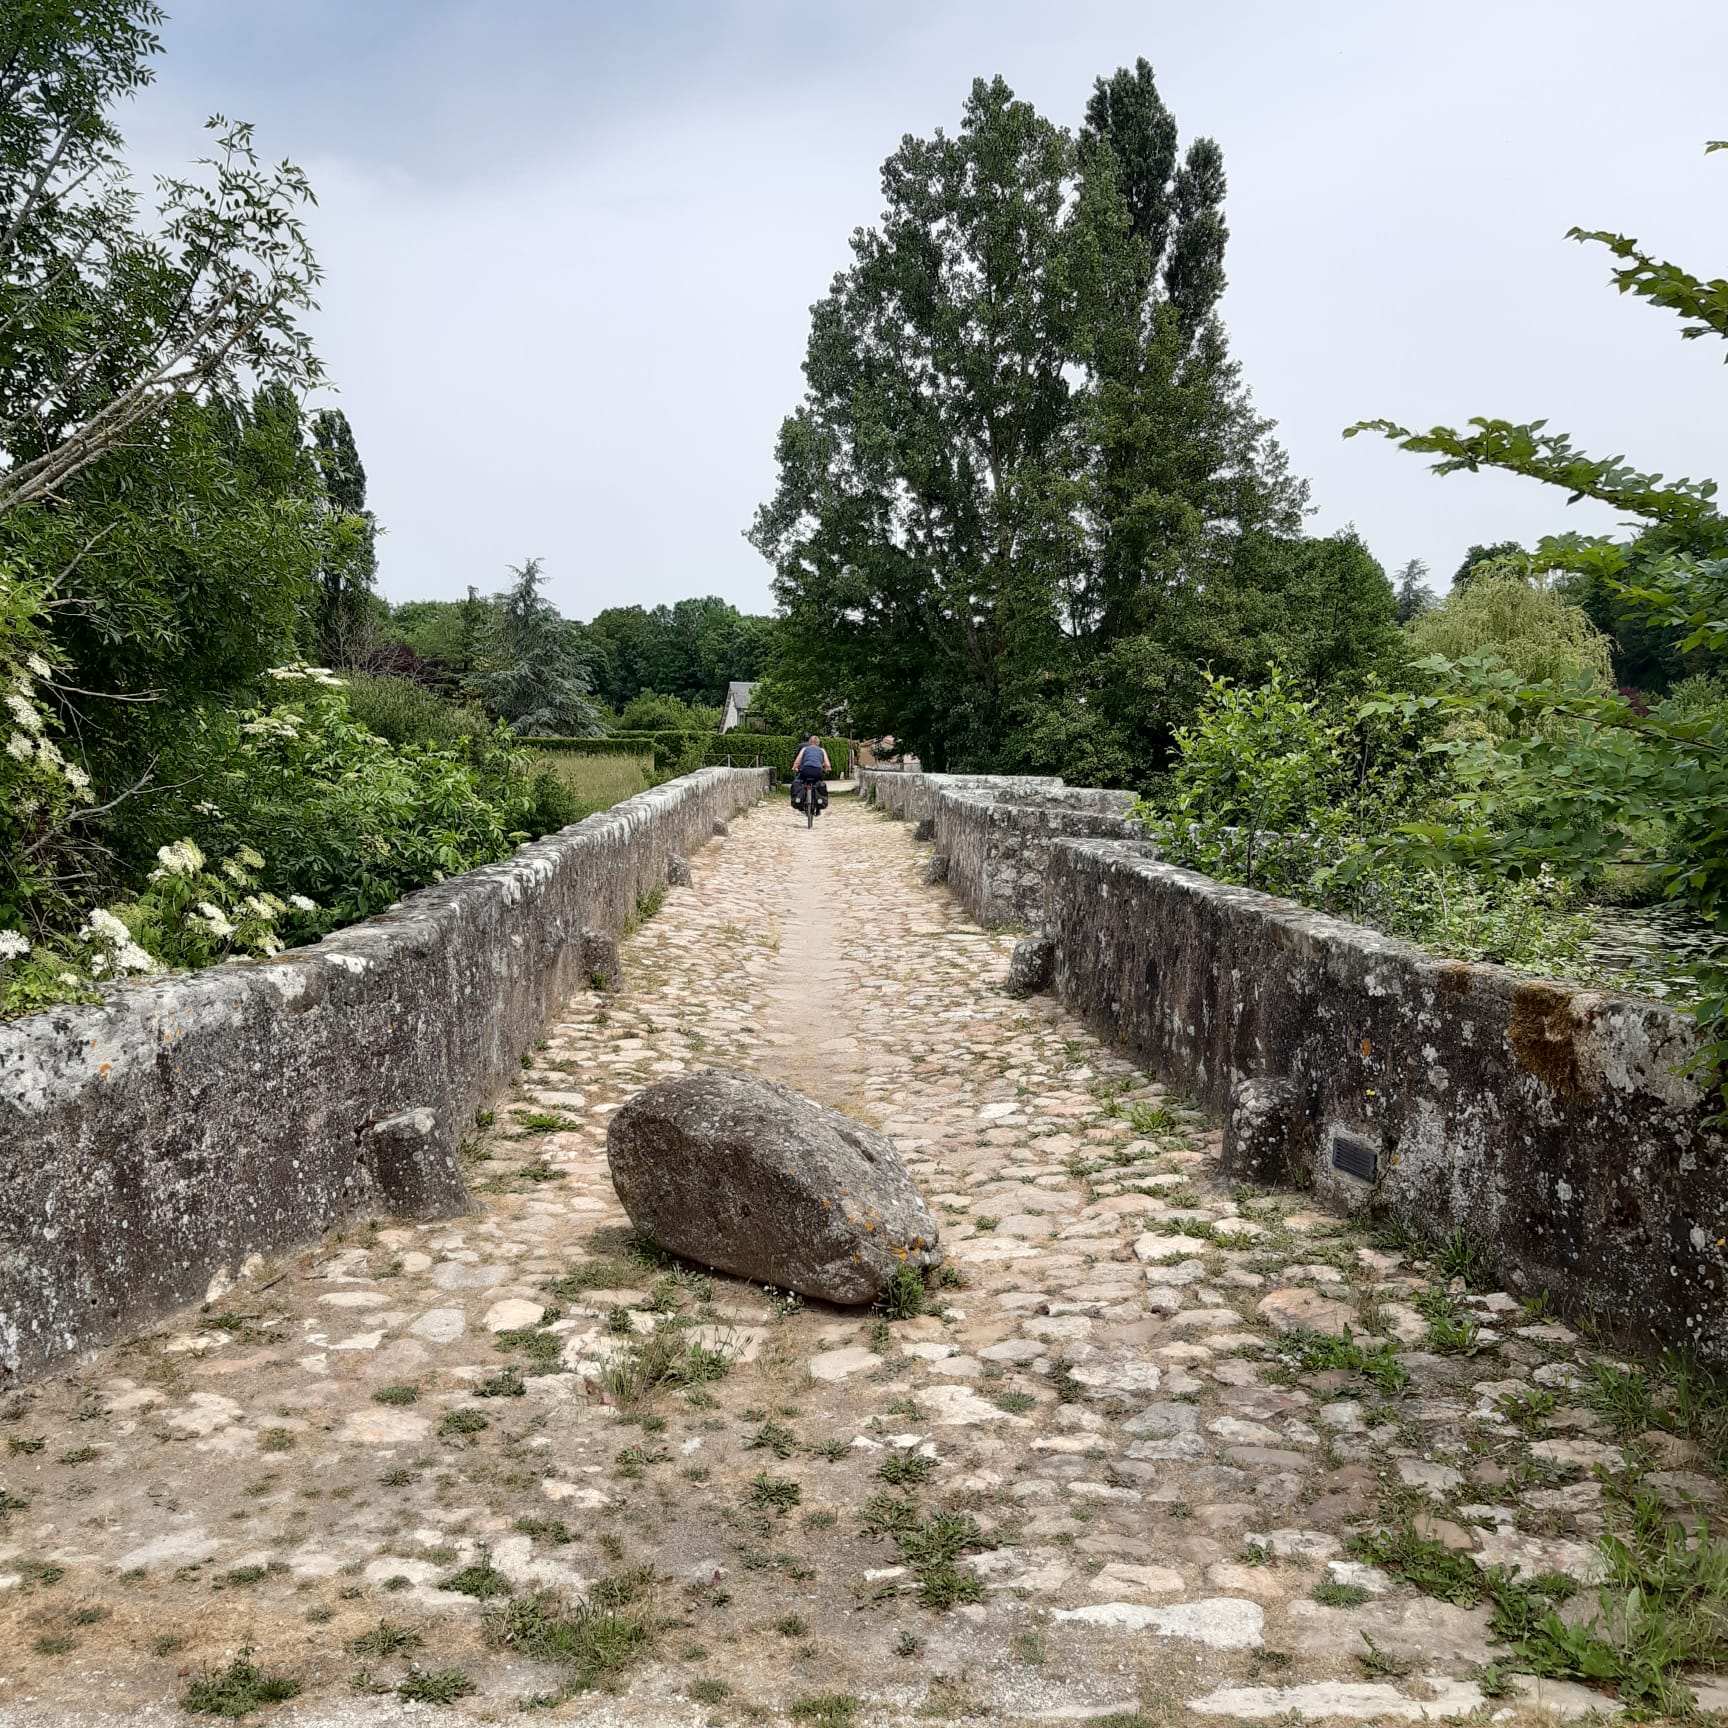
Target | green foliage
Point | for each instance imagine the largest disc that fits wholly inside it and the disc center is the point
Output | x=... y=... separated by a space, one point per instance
x=690 y=651
x=479 y=1579
x=404 y=711
x=435 y=1686
x=1661 y=1611
x=931 y=1546
x=237 y=1690
x=1315 y=1352
x=1538 y=632
x=592 y=1643
x=609 y=745
x=904 y=1296
x=648 y=711
x=532 y=669
x=1573 y=775
x=1277 y=791
x=1026 y=496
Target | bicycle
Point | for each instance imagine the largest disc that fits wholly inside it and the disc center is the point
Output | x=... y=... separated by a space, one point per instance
x=815 y=797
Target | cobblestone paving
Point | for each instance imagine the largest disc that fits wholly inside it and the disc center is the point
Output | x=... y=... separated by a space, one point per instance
x=1120 y=1471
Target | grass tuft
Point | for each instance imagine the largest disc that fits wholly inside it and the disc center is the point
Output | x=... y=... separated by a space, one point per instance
x=238 y=1689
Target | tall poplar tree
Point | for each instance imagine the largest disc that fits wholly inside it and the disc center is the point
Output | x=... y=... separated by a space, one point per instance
x=1024 y=458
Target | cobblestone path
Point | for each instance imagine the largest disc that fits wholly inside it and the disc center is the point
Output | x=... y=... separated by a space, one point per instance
x=1121 y=1471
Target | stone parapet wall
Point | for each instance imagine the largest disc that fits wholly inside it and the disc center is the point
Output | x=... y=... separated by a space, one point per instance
x=190 y=1121
x=1547 y=1121
x=911 y=795
x=998 y=848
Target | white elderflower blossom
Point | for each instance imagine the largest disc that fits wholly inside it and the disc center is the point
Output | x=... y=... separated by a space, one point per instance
x=216 y=918
x=39 y=666
x=258 y=907
x=207 y=809
x=19 y=748
x=13 y=945
x=70 y=979
x=232 y=870
x=301 y=904
x=49 y=752
x=129 y=957
x=269 y=947
x=104 y=925
x=76 y=778
x=181 y=858
x=252 y=860
x=25 y=712
x=273 y=726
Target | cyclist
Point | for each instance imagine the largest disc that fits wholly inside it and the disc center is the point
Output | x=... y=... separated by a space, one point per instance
x=809 y=770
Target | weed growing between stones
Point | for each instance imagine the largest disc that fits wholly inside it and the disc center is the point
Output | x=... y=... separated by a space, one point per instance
x=507 y=1383
x=594 y=1643
x=646 y=906
x=442 y=1686
x=1662 y=1609
x=543 y=1121
x=900 y=1468
x=827 y=1709
x=238 y=1689
x=385 y=1639
x=930 y=1546
x=773 y=1437
x=709 y=1691
x=777 y=1494
x=664 y=1360
x=1377 y=1664
x=396 y=1395
x=479 y=1579
x=903 y=1298
x=1315 y=1352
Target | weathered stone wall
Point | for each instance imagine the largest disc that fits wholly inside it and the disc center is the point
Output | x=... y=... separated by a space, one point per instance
x=998 y=847
x=1546 y=1120
x=911 y=796
x=187 y=1122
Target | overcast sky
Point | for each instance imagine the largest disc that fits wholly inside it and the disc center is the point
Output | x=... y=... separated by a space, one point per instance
x=571 y=246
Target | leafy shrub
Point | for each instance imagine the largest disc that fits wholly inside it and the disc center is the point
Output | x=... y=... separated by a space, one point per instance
x=404 y=711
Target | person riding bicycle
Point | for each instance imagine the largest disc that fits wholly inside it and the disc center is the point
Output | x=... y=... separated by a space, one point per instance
x=810 y=768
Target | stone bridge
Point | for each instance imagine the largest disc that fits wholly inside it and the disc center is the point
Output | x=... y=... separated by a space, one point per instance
x=508 y=1459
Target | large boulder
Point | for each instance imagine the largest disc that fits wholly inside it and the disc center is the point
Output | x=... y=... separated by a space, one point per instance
x=753 y=1178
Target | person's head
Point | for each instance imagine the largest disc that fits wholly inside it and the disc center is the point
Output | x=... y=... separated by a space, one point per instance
x=814 y=739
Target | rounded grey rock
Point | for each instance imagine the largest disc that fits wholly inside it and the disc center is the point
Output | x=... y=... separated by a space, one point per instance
x=753 y=1178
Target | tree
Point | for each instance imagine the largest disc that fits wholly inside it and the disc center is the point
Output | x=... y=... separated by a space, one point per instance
x=532 y=674
x=1025 y=464
x=106 y=318
x=1414 y=596
x=350 y=563
x=1535 y=631
x=1572 y=775
x=1501 y=552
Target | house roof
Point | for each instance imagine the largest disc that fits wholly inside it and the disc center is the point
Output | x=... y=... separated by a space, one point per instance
x=738 y=694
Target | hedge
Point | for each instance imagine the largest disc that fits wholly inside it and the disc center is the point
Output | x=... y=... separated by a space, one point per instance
x=763 y=749
x=592 y=746
x=680 y=752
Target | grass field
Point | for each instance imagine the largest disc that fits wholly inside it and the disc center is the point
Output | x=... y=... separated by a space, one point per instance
x=600 y=781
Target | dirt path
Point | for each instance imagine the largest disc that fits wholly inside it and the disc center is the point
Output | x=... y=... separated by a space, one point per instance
x=1101 y=1479
x=812 y=1042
